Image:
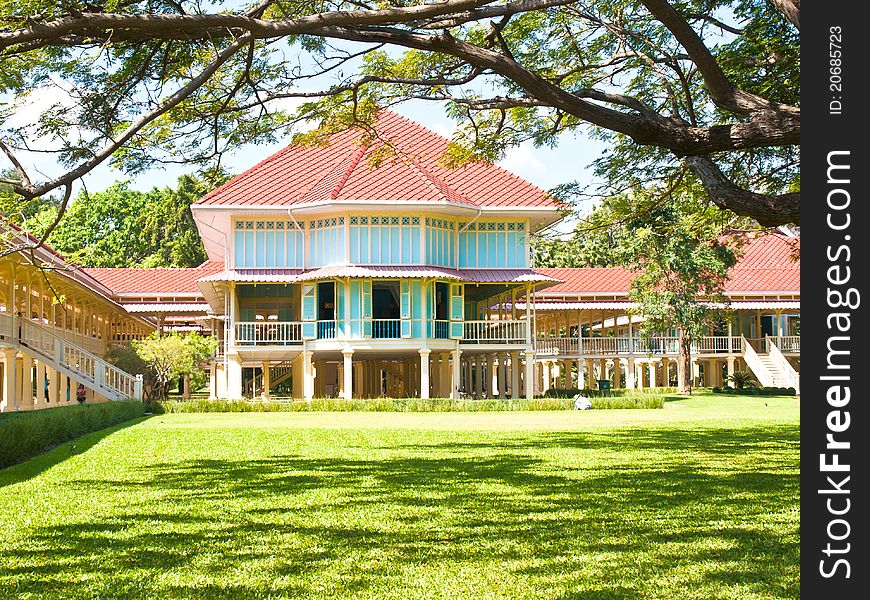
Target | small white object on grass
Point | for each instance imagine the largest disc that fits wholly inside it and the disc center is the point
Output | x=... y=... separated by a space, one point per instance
x=582 y=403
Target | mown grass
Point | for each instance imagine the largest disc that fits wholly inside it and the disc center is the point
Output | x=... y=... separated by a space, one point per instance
x=414 y=405
x=698 y=500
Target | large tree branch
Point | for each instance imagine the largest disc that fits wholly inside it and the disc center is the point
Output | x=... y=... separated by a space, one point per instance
x=791 y=10
x=722 y=91
x=135 y=27
x=768 y=210
x=31 y=191
x=768 y=128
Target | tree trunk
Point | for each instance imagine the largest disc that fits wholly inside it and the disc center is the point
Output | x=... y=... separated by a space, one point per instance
x=684 y=364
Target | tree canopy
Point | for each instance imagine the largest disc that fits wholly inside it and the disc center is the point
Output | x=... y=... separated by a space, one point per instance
x=165 y=358
x=701 y=89
x=123 y=227
x=680 y=255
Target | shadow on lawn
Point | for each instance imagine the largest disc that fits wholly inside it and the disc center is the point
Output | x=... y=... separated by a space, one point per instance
x=301 y=521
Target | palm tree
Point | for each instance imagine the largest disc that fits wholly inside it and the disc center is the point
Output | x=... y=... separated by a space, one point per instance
x=742 y=379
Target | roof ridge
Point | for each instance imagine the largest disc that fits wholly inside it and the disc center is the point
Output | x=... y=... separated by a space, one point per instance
x=439 y=186
x=347 y=172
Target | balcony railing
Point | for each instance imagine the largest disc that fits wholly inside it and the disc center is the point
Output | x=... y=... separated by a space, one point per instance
x=442 y=330
x=494 y=332
x=605 y=346
x=787 y=344
x=268 y=334
x=386 y=328
x=326 y=330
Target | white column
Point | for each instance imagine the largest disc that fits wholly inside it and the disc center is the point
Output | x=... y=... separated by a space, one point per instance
x=26 y=402
x=9 y=380
x=212 y=381
x=515 y=375
x=530 y=374
x=652 y=374
x=347 y=376
x=267 y=379
x=457 y=372
x=234 y=376
x=546 y=377
x=424 y=372
x=492 y=376
x=308 y=375
x=617 y=373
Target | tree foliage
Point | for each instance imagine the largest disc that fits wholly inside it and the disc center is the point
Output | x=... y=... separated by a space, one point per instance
x=675 y=244
x=122 y=227
x=164 y=359
x=708 y=86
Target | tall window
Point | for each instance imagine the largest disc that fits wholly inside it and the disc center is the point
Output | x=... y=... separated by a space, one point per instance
x=385 y=240
x=493 y=245
x=439 y=242
x=267 y=243
x=326 y=241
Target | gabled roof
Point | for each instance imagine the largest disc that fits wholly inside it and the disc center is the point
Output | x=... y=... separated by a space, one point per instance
x=153 y=282
x=342 y=170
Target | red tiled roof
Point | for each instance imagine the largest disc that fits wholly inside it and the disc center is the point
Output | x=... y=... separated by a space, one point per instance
x=766 y=264
x=149 y=282
x=341 y=170
x=590 y=280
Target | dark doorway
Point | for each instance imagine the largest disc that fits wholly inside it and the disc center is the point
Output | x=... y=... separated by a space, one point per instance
x=386 y=316
x=442 y=309
x=326 y=310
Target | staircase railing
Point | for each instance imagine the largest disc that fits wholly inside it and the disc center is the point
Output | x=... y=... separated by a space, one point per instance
x=92 y=370
x=753 y=361
x=792 y=378
x=277 y=374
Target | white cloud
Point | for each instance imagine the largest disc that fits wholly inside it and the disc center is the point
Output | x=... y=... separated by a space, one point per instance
x=522 y=160
x=445 y=129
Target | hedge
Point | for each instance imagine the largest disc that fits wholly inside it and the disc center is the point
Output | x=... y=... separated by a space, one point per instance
x=596 y=393
x=400 y=405
x=756 y=391
x=26 y=434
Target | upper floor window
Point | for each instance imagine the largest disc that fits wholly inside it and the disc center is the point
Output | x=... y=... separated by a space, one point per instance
x=439 y=247
x=267 y=243
x=385 y=240
x=493 y=245
x=326 y=241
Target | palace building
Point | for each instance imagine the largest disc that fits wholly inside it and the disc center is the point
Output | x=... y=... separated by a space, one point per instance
x=364 y=267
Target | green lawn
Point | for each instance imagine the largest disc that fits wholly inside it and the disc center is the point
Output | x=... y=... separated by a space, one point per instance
x=696 y=500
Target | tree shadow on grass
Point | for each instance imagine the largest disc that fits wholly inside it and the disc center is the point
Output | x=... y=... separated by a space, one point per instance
x=32 y=467
x=295 y=523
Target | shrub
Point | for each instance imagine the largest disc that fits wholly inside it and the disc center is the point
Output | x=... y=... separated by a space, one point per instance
x=26 y=434
x=757 y=391
x=595 y=393
x=402 y=404
x=641 y=401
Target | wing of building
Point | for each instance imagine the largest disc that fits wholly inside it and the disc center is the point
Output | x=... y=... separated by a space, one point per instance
x=365 y=267
x=57 y=322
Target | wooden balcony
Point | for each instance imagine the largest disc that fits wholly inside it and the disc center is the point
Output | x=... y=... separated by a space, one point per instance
x=624 y=346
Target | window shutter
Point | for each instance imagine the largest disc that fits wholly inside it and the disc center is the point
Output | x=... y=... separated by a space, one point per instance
x=367 y=308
